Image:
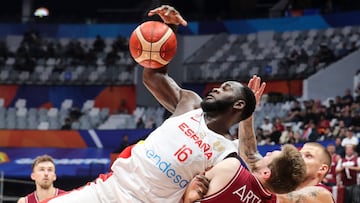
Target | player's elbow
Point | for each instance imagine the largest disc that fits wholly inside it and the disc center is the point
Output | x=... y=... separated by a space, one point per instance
x=150 y=76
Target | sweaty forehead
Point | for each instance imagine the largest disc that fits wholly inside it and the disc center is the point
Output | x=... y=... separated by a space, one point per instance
x=46 y=164
x=232 y=84
x=309 y=149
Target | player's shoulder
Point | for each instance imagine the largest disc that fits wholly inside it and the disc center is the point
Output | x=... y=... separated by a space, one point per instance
x=227 y=164
x=21 y=200
x=308 y=194
x=316 y=194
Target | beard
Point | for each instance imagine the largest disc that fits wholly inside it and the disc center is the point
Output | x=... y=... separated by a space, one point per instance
x=45 y=185
x=217 y=106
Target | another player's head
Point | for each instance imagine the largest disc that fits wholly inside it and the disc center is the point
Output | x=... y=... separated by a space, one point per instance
x=43 y=171
x=282 y=171
x=317 y=160
x=232 y=96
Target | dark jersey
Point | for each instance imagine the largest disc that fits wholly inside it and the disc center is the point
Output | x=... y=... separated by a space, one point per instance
x=243 y=188
x=31 y=198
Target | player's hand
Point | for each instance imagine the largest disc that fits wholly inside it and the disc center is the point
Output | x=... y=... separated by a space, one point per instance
x=169 y=15
x=196 y=189
x=257 y=87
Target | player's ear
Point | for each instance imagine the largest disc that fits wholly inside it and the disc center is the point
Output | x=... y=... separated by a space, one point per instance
x=324 y=169
x=266 y=173
x=32 y=176
x=239 y=104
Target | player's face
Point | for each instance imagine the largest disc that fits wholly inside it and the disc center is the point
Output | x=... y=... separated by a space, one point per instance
x=312 y=158
x=221 y=98
x=44 y=174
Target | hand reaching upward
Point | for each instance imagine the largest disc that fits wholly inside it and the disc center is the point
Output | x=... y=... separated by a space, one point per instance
x=169 y=15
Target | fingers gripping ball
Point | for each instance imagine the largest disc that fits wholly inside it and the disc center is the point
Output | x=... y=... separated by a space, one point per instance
x=153 y=44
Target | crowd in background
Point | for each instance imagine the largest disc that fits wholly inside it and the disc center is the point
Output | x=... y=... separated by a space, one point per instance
x=312 y=120
x=35 y=49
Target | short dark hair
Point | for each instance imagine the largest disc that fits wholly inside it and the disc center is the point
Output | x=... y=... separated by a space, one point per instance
x=248 y=96
x=288 y=170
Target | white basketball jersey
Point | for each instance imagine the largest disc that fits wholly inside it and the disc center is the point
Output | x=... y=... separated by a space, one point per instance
x=160 y=168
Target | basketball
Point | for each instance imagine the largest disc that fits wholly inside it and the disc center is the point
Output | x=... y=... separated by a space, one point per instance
x=153 y=44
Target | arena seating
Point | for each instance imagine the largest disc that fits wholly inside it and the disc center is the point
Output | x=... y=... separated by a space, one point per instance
x=264 y=53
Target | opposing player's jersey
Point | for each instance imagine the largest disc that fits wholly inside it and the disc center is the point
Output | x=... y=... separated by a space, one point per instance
x=31 y=198
x=160 y=168
x=243 y=188
x=331 y=176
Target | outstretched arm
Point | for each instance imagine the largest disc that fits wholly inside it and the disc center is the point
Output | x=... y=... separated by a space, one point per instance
x=247 y=138
x=159 y=83
x=309 y=194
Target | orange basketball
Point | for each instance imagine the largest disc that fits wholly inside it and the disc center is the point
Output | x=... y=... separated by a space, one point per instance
x=153 y=44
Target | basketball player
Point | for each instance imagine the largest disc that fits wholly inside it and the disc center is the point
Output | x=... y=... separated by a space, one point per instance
x=317 y=160
x=44 y=175
x=193 y=139
x=277 y=172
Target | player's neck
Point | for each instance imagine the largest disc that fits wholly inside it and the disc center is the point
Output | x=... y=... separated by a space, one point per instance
x=42 y=194
x=309 y=182
x=218 y=123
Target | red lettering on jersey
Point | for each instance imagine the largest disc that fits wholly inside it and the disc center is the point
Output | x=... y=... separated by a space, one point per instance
x=205 y=147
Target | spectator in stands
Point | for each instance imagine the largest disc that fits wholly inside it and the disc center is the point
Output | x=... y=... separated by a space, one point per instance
x=357 y=89
x=294 y=114
x=150 y=123
x=67 y=124
x=348 y=98
x=327 y=134
x=279 y=124
x=124 y=143
x=123 y=107
x=120 y=44
x=4 y=52
x=293 y=58
x=275 y=135
x=332 y=179
x=75 y=114
x=346 y=115
x=303 y=56
x=311 y=112
x=324 y=55
x=323 y=124
x=140 y=123
x=339 y=149
x=349 y=166
x=343 y=51
x=310 y=132
x=353 y=47
x=355 y=121
x=98 y=44
x=267 y=126
x=350 y=138
x=112 y=57
x=44 y=175
x=339 y=129
x=286 y=134
x=331 y=109
x=49 y=51
x=90 y=58
x=323 y=110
